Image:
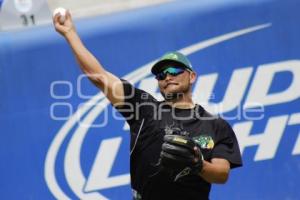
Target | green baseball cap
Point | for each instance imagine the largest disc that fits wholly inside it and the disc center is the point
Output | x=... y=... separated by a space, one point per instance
x=171 y=58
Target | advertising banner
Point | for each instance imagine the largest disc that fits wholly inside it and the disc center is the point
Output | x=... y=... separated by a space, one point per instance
x=61 y=139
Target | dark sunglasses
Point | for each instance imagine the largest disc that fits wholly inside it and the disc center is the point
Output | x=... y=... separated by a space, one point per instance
x=173 y=71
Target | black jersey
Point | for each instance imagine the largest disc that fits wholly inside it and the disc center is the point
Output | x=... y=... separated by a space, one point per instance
x=149 y=121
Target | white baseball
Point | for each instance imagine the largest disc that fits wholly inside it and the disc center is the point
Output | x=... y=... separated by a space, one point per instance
x=62 y=13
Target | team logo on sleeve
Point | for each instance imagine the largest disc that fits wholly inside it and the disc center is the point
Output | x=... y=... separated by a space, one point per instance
x=205 y=142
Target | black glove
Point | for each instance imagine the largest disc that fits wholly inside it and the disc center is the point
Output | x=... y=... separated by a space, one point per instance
x=181 y=156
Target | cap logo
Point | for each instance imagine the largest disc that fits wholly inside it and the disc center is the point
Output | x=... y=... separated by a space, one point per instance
x=173 y=56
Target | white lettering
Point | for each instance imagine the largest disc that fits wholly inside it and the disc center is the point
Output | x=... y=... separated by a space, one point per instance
x=267 y=142
x=264 y=78
x=294 y=120
x=99 y=175
x=203 y=91
x=296 y=149
x=233 y=95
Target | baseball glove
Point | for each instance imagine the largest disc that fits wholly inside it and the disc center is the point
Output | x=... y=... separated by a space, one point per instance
x=181 y=156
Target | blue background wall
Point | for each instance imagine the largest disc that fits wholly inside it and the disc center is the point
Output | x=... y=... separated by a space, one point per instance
x=39 y=77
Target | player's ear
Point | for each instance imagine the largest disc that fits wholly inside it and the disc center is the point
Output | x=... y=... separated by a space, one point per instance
x=193 y=77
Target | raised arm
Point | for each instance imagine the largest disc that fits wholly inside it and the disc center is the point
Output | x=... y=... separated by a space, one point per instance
x=111 y=85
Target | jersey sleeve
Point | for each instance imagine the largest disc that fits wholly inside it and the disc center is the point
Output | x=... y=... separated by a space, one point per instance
x=135 y=104
x=226 y=144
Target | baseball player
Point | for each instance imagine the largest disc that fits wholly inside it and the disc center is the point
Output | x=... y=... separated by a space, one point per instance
x=177 y=148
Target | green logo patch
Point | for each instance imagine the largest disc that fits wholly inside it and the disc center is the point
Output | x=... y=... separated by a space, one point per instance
x=204 y=141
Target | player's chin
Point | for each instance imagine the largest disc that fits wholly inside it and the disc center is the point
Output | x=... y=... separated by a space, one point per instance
x=170 y=92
